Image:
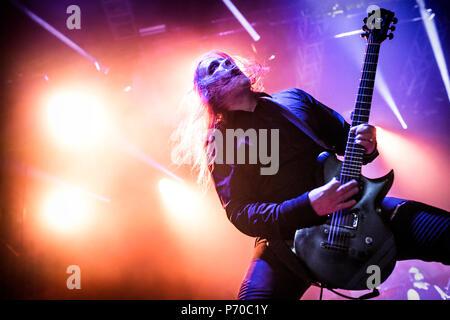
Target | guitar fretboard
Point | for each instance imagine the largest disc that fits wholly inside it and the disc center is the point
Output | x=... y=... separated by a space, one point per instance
x=351 y=168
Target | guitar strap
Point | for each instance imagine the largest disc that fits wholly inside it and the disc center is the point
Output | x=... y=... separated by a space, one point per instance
x=299 y=123
x=370 y=295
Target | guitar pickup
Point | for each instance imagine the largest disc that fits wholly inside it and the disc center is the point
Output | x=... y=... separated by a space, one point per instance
x=354 y=222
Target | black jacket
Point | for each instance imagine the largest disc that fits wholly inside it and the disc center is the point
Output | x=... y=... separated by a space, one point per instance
x=255 y=213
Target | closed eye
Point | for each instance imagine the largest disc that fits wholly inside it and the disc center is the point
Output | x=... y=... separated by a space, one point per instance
x=212 y=67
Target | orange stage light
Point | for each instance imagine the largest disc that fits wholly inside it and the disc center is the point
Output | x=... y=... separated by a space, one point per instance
x=66 y=210
x=76 y=118
x=179 y=199
x=420 y=167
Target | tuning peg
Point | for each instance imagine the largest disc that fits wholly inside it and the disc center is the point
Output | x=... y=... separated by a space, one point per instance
x=390 y=36
x=394 y=20
x=364 y=35
x=364 y=28
x=365 y=20
x=392 y=28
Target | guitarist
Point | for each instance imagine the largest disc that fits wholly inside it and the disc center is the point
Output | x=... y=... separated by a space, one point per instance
x=273 y=207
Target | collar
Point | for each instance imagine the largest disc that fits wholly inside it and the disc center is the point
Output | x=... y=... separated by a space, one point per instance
x=262 y=94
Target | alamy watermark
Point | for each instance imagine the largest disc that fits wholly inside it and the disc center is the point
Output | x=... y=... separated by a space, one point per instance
x=257 y=143
x=74 y=280
x=374 y=280
x=374 y=20
x=74 y=20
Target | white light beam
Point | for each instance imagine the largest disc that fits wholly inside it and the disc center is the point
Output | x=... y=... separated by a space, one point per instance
x=238 y=15
x=433 y=35
x=382 y=87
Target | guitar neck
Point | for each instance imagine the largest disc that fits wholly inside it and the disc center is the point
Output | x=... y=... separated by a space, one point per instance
x=351 y=168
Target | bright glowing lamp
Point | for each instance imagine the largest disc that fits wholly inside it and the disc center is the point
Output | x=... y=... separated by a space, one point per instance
x=66 y=210
x=75 y=119
x=180 y=200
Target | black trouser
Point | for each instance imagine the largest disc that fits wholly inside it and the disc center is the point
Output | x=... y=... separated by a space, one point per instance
x=420 y=231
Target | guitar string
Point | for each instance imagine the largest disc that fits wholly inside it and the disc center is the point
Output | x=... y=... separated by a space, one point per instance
x=336 y=217
x=357 y=118
x=368 y=74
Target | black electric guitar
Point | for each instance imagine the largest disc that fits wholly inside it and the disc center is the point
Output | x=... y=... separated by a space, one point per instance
x=354 y=243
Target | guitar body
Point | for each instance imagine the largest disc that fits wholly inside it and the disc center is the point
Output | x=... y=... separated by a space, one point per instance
x=354 y=249
x=365 y=241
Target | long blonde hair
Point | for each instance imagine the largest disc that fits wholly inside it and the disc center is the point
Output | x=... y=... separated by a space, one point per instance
x=199 y=114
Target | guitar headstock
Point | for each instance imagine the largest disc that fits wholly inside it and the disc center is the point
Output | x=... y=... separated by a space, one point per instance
x=377 y=25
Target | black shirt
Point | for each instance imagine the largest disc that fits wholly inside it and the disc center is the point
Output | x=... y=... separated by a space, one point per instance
x=297 y=152
x=275 y=206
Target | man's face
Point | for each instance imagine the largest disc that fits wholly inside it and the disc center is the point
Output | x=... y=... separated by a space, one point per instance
x=220 y=72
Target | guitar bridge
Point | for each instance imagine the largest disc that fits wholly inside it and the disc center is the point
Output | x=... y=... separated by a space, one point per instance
x=335 y=247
